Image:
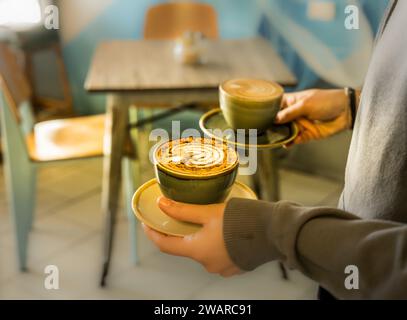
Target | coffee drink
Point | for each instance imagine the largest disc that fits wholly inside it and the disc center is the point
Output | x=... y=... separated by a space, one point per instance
x=250 y=91
x=250 y=103
x=195 y=170
x=196 y=156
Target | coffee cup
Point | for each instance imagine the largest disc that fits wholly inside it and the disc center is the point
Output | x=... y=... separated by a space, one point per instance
x=250 y=103
x=195 y=170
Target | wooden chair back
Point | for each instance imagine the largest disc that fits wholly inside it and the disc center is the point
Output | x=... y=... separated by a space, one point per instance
x=14 y=84
x=15 y=112
x=168 y=21
x=47 y=75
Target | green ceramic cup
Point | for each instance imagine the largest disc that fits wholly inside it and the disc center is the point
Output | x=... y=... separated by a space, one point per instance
x=194 y=188
x=250 y=103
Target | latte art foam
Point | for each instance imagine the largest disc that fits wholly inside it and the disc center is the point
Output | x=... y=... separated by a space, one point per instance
x=252 y=89
x=196 y=156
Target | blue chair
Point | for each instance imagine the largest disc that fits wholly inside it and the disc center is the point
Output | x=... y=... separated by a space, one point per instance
x=28 y=145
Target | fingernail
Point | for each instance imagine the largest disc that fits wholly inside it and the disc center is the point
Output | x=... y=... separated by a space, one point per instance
x=165 y=202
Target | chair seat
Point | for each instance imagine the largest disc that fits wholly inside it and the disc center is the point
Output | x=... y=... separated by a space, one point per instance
x=65 y=139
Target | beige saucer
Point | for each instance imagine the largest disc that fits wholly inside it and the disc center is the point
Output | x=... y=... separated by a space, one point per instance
x=214 y=125
x=147 y=211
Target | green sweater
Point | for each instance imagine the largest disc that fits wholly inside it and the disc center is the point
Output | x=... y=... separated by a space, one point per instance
x=322 y=242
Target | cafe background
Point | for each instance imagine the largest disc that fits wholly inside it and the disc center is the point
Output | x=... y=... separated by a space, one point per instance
x=95 y=21
x=67 y=230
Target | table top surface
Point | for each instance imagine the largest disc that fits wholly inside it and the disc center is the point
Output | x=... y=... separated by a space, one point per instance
x=141 y=65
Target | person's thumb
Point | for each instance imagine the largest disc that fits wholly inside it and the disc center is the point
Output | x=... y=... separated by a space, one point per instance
x=290 y=113
x=184 y=211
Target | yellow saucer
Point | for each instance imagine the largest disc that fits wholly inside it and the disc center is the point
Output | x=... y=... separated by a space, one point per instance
x=146 y=209
x=275 y=137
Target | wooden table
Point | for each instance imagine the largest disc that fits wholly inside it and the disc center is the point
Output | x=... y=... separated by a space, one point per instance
x=143 y=73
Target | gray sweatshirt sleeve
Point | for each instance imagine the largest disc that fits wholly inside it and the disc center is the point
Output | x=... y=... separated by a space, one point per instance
x=320 y=242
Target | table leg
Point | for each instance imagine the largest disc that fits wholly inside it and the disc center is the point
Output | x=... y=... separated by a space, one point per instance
x=267 y=181
x=115 y=135
x=267 y=175
x=132 y=180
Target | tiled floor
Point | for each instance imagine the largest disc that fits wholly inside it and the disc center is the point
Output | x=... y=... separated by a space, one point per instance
x=68 y=233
